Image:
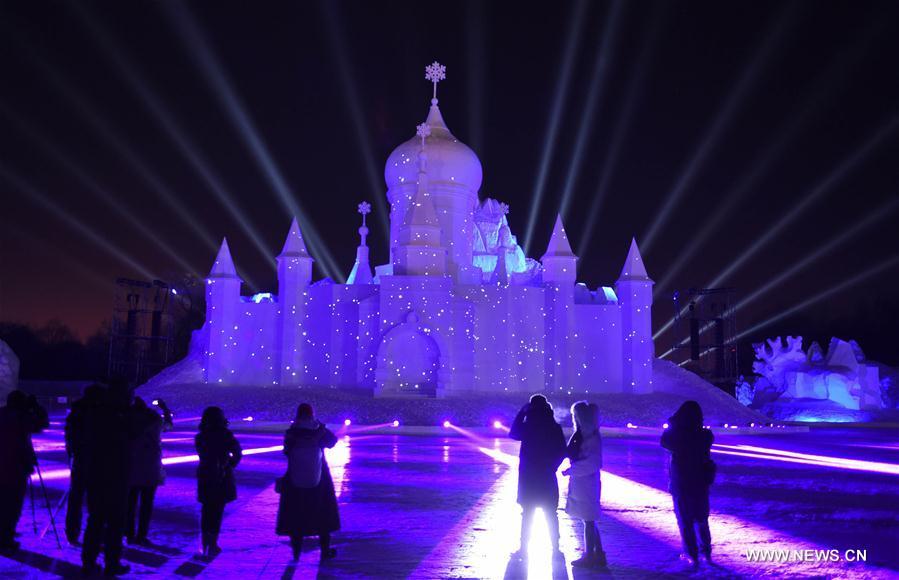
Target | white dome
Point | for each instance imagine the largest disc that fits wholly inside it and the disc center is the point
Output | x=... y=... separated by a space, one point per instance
x=449 y=160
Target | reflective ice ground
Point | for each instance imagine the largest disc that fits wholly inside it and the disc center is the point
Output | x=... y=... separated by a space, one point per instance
x=444 y=507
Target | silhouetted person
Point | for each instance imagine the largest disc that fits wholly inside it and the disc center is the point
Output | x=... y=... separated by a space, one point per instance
x=585 y=453
x=19 y=419
x=219 y=454
x=308 y=505
x=108 y=457
x=168 y=418
x=146 y=469
x=692 y=471
x=76 y=433
x=542 y=451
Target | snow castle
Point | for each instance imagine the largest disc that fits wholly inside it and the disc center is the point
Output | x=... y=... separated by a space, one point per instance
x=459 y=309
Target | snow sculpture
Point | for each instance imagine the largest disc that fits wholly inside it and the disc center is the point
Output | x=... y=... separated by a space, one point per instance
x=458 y=308
x=9 y=371
x=837 y=376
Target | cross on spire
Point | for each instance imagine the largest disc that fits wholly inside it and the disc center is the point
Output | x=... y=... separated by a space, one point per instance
x=435 y=72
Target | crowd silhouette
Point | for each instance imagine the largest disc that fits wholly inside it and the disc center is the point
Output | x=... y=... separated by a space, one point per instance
x=114 y=444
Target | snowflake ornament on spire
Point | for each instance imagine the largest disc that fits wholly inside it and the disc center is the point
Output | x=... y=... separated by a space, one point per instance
x=423 y=131
x=435 y=72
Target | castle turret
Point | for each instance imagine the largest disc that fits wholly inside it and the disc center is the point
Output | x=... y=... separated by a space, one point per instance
x=361 y=272
x=419 y=251
x=559 y=262
x=559 y=276
x=294 y=276
x=222 y=303
x=634 y=289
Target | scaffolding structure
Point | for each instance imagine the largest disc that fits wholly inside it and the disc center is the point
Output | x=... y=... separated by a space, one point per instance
x=142 y=329
x=705 y=327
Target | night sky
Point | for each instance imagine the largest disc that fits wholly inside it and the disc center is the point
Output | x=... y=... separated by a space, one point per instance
x=711 y=129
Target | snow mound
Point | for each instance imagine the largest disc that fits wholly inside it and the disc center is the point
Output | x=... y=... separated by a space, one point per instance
x=182 y=387
x=717 y=406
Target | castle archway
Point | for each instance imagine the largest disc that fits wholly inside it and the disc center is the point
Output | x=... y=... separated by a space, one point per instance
x=409 y=359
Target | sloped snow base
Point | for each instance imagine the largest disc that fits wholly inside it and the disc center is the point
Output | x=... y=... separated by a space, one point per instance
x=182 y=387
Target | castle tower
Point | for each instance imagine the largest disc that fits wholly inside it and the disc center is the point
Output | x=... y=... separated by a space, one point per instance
x=361 y=272
x=559 y=262
x=419 y=251
x=222 y=302
x=634 y=289
x=454 y=178
x=294 y=276
x=559 y=276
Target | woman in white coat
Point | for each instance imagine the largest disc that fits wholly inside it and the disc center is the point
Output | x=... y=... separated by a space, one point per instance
x=585 y=453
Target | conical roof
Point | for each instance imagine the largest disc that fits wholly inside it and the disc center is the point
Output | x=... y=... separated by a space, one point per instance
x=294 y=246
x=224 y=265
x=558 y=244
x=634 y=268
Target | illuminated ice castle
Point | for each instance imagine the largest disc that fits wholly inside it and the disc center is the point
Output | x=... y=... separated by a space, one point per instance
x=459 y=309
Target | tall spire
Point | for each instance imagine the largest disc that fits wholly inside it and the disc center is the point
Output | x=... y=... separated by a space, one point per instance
x=361 y=273
x=421 y=211
x=558 y=243
x=634 y=268
x=224 y=265
x=294 y=246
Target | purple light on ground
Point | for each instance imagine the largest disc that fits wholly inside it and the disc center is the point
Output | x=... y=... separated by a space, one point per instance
x=810 y=459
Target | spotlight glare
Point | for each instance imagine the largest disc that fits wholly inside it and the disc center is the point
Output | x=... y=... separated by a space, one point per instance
x=497 y=425
x=563 y=84
x=396 y=423
x=347 y=422
x=723 y=118
x=447 y=424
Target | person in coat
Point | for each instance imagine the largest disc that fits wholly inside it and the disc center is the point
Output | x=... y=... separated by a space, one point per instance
x=541 y=454
x=108 y=458
x=76 y=430
x=691 y=473
x=146 y=469
x=308 y=505
x=585 y=454
x=19 y=420
x=219 y=454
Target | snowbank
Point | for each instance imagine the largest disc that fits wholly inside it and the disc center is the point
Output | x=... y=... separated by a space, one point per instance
x=180 y=385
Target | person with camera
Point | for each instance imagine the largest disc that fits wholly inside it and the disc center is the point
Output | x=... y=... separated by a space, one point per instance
x=19 y=420
x=308 y=505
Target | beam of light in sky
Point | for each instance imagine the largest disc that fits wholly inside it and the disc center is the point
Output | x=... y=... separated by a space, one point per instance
x=476 y=67
x=563 y=84
x=848 y=283
x=222 y=88
x=595 y=92
x=351 y=92
x=74 y=223
x=825 y=460
x=880 y=213
x=622 y=123
x=167 y=123
x=863 y=224
x=95 y=188
x=33 y=242
x=830 y=81
x=825 y=185
x=120 y=146
x=709 y=142
x=832 y=179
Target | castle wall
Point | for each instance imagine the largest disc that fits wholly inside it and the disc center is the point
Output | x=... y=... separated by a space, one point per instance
x=595 y=362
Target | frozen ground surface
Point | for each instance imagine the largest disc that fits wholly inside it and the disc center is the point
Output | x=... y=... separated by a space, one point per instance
x=444 y=507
